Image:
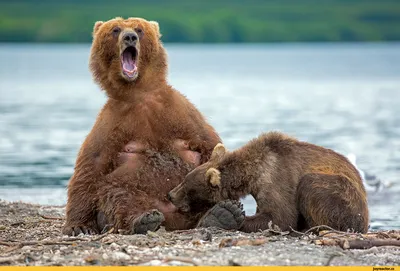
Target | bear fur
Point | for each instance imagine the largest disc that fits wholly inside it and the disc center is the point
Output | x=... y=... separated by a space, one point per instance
x=146 y=138
x=296 y=185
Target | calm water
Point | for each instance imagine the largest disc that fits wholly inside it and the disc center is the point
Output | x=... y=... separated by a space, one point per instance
x=345 y=97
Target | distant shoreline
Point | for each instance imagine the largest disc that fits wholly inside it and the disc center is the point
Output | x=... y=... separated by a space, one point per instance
x=207 y=21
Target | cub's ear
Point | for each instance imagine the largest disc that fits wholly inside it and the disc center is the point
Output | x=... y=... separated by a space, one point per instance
x=218 y=153
x=213 y=176
x=97 y=26
x=156 y=27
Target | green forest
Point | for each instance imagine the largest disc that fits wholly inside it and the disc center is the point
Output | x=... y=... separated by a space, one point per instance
x=207 y=21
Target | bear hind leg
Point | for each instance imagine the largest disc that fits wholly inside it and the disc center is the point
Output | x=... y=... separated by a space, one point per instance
x=332 y=200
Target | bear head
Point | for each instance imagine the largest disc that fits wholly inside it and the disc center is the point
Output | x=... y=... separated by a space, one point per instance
x=126 y=52
x=202 y=187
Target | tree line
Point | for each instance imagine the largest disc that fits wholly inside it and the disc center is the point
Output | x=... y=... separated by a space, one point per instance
x=207 y=21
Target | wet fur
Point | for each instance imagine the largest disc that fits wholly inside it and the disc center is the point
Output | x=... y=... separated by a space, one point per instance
x=148 y=111
x=295 y=184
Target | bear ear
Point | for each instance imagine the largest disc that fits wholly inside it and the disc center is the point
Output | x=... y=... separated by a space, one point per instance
x=97 y=26
x=156 y=27
x=218 y=153
x=213 y=176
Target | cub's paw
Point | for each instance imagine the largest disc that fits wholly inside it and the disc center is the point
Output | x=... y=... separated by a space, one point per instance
x=148 y=221
x=81 y=229
x=228 y=215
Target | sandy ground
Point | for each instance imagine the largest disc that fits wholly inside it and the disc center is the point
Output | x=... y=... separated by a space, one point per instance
x=30 y=235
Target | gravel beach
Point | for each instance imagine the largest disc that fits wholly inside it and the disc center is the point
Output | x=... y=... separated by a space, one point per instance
x=31 y=235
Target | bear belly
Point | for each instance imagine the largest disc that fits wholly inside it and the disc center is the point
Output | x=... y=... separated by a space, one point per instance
x=133 y=154
x=138 y=170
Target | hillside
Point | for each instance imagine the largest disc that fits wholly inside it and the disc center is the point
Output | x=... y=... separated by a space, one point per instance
x=207 y=21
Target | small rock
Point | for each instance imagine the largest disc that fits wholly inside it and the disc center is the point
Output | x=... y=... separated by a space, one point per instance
x=26 y=249
x=131 y=249
x=91 y=260
x=120 y=256
x=105 y=256
x=2 y=227
x=114 y=245
x=207 y=236
x=233 y=262
x=153 y=262
x=152 y=234
x=56 y=259
x=197 y=242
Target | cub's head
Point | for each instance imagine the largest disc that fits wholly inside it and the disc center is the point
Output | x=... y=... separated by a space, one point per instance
x=124 y=50
x=202 y=187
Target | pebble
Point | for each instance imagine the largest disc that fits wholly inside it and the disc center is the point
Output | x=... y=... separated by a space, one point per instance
x=110 y=250
x=153 y=262
x=26 y=249
x=120 y=256
x=114 y=246
x=105 y=256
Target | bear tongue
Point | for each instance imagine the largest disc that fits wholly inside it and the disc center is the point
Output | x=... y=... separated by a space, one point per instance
x=127 y=62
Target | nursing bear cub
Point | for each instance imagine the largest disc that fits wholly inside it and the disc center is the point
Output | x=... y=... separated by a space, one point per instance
x=146 y=138
x=295 y=184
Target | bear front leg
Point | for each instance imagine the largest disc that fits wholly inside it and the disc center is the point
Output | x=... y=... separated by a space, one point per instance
x=92 y=164
x=81 y=208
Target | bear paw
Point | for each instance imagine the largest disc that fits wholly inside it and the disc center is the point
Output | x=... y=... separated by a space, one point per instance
x=228 y=215
x=148 y=221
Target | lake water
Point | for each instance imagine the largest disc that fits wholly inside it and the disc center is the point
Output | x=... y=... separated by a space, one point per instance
x=342 y=96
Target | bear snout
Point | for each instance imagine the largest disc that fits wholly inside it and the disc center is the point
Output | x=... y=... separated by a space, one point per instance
x=174 y=197
x=169 y=197
x=130 y=38
x=178 y=198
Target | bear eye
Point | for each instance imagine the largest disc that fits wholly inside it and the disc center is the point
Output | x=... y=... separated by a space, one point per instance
x=139 y=31
x=116 y=30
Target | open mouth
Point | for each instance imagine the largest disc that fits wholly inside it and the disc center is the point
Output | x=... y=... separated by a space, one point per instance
x=128 y=61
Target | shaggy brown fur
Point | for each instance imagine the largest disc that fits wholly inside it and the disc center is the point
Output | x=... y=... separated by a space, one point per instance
x=295 y=184
x=145 y=140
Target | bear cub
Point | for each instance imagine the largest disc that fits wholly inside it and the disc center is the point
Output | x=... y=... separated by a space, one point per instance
x=296 y=185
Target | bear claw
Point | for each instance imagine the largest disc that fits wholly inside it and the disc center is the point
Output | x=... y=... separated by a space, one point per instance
x=148 y=221
x=228 y=215
x=76 y=230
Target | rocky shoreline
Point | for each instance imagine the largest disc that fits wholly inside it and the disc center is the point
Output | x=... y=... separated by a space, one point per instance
x=31 y=235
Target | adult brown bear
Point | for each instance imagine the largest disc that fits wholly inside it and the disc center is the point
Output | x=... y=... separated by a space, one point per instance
x=295 y=184
x=146 y=138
